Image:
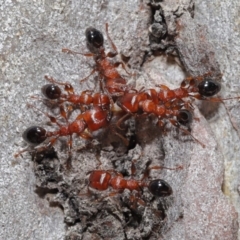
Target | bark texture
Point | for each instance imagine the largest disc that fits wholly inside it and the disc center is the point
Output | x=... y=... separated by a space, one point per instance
x=40 y=199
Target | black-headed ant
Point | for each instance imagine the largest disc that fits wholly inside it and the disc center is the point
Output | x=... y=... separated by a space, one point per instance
x=101 y=180
x=201 y=88
x=146 y=102
x=85 y=98
x=112 y=81
x=91 y=120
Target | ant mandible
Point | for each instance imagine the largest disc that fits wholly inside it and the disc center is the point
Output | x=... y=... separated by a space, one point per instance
x=114 y=83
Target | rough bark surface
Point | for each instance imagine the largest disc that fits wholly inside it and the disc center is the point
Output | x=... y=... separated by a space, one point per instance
x=40 y=199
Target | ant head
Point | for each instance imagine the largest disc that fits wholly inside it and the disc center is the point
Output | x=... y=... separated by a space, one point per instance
x=51 y=91
x=208 y=87
x=184 y=117
x=160 y=188
x=94 y=38
x=34 y=135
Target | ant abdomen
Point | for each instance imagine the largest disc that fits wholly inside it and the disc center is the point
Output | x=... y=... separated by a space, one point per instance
x=94 y=38
x=51 y=91
x=160 y=188
x=209 y=87
x=184 y=117
x=99 y=179
x=35 y=135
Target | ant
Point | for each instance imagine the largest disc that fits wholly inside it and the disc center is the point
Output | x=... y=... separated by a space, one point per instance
x=147 y=103
x=101 y=180
x=86 y=98
x=200 y=87
x=91 y=120
x=113 y=82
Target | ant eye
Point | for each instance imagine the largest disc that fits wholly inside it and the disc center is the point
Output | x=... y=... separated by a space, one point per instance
x=34 y=135
x=160 y=188
x=94 y=37
x=184 y=117
x=209 y=87
x=51 y=91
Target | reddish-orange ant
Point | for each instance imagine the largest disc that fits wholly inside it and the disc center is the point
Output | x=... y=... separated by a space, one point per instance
x=147 y=103
x=86 y=98
x=101 y=180
x=113 y=81
x=90 y=120
x=200 y=87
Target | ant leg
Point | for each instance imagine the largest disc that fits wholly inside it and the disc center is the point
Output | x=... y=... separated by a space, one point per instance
x=207 y=74
x=163 y=87
x=122 y=119
x=51 y=118
x=196 y=79
x=44 y=100
x=190 y=83
x=108 y=93
x=39 y=149
x=111 y=54
x=148 y=169
x=162 y=125
x=133 y=167
x=214 y=99
x=70 y=141
x=66 y=50
x=119 y=92
x=111 y=194
x=176 y=124
x=16 y=155
x=117 y=64
x=67 y=86
x=84 y=79
x=189 y=105
x=63 y=113
x=161 y=167
x=125 y=141
x=52 y=141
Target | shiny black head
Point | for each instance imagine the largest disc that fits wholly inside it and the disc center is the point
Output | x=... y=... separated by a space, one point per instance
x=160 y=188
x=94 y=38
x=184 y=117
x=51 y=91
x=34 y=135
x=208 y=87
